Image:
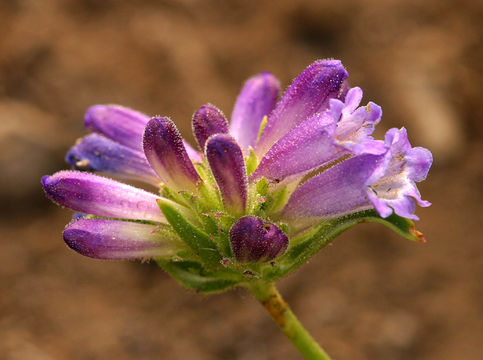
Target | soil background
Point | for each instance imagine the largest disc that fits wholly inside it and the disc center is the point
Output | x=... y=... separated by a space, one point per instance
x=371 y=295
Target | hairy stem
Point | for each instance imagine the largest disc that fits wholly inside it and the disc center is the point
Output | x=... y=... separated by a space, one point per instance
x=286 y=320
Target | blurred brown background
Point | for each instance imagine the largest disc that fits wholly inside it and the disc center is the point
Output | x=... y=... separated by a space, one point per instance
x=372 y=295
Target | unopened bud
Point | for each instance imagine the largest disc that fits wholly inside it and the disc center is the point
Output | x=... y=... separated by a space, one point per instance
x=254 y=240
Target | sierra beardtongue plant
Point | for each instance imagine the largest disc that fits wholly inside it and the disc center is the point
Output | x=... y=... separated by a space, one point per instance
x=260 y=197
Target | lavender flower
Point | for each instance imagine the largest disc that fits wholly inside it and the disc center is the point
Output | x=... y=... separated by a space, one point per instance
x=265 y=192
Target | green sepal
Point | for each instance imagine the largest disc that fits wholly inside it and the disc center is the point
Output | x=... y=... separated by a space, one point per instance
x=277 y=200
x=192 y=275
x=196 y=239
x=262 y=127
x=307 y=244
x=251 y=162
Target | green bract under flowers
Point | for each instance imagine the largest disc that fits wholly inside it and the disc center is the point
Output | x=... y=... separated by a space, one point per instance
x=264 y=194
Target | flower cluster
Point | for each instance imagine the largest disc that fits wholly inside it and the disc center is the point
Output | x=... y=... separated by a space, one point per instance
x=264 y=192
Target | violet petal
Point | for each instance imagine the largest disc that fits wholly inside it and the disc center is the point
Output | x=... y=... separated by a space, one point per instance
x=385 y=182
x=341 y=130
x=123 y=125
x=396 y=188
x=97 y=153
x=114 y=239
x=356 y=124
x=309 y=94
x=93 y=194
x=194 y=155
x=208 y=120
x=117 y=123
x=305 y=147
x=336 y=192
x=228 y=166
x=166 y=153
x=256 y=100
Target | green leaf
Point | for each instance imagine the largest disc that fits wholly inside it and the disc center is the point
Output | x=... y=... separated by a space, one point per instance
x=192 y=275
x=196 y=239
x=309 y=243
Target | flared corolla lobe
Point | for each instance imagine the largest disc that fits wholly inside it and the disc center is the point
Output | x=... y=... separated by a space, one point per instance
x=396 y=190
x=208 y=120
x=114 y=239
x=256 y=100
x=355 y=124
x=96 y=195
x=166 y=153
x=97 y=153
x=254 y=240
x=309 y=94
x=228 y=167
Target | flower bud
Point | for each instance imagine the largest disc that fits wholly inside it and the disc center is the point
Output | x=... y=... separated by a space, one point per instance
x=208 y=121
x=167 y=155
x=253 y=240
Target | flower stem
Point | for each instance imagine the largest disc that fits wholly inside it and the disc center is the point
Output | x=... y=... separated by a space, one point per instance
x=286 y=320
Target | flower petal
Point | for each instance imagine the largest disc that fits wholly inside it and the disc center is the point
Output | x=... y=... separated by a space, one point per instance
x=341 y=130
x=226 y=162
x=97 y=153
x=92 y=194
x=356 y=124
x=256 y=100
x=309 y=94
x=117 y=123
x=123 y=125
x=114 y=239
x=336 y=192
x=208 y=120
x=396 y=188
x=166 y=153
x=194 y=155
x=303 y=148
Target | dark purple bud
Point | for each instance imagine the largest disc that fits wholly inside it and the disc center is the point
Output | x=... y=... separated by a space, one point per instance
x=253 y=240
x=165 y=151
x=226 y=162
x=208 y=120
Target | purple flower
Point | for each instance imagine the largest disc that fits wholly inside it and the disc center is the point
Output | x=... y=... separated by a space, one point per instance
x=279 y=168
x=385 y=182
x=343 y=129
x=393 y=186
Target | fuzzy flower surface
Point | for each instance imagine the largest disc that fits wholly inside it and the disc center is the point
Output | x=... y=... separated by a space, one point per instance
x=260 y=195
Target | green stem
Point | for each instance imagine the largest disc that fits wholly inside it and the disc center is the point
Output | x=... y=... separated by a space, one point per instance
x=280 y=312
